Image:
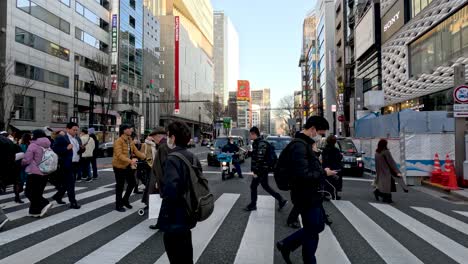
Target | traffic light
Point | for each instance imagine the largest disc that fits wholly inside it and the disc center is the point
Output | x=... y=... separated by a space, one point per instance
x=151 y=84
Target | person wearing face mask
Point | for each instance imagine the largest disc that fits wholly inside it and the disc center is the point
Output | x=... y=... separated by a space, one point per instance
x=231 y=147
x=306 y=177
x=124 y=166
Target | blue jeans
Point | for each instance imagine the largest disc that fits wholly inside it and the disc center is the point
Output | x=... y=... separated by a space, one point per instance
x=238 y=168
x=308 y=236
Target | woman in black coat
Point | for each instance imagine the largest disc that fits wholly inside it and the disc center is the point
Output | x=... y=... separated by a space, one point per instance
x=332 y=158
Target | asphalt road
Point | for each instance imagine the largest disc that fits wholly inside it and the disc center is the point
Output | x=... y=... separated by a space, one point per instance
x=420 y=227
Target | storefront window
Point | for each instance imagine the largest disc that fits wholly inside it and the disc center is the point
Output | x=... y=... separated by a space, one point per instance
x=449 y=39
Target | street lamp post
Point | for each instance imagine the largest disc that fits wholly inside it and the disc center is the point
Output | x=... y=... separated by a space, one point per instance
x=91 y=103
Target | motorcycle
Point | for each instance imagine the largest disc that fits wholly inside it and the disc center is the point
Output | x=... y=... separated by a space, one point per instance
x=225 y=161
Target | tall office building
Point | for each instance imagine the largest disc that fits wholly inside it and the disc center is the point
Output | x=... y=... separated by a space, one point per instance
x=308 y=64
x=187 y=68
x=232 y=107
x=151 y=67
x=226 y=56
x=326 y=62
x=261 y=98
x=47 y=49
x=127 y=19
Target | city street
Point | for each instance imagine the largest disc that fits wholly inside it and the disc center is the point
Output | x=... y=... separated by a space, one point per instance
x=420 y=227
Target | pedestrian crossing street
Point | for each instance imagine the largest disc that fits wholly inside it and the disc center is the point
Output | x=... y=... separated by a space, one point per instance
x=98 y=234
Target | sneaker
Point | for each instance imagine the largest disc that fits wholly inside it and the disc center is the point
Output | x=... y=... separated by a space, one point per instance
x=34 y=215
x=120 y=209
x=45 y=209
x=78 y=180
x=3 y=223
x=89 y=179
x=282 y=204
x=75 y=205
x=128 y=206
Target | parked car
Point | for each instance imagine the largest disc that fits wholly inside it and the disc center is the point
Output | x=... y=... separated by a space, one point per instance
x=219 y=143
x=353 y=164
x=279 y=143
x=106 y=149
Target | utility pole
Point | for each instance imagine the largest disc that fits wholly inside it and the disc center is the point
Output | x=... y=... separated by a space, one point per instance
x=460 y=127
x=91 y=103
x=75 y=89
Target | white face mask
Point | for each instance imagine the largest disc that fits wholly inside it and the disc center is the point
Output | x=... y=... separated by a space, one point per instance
x=170 y=143
x=317 y=138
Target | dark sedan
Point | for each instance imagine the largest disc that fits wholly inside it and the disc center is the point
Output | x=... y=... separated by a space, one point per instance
x=219 y=143
x=279 y=143
x=352 y=159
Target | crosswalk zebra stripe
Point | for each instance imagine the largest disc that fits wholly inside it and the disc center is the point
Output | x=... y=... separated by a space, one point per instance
x=329 y=249
x=46 y=222
x=444 y=219
x=25 y=212
x=446 y=245
x=118 y=248
x=204 y=231
x=256 y=248
x=388 y=248
x=53 y=245
x=12 y=195
x=46 y=195
x=462 y=213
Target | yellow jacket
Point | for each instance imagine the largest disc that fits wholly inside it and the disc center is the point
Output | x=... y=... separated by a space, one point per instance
x=121 y=158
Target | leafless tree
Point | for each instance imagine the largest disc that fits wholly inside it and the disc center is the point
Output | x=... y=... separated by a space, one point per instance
x=214 y=110
x=286 y=110
x=7 y=99
x=100 y=75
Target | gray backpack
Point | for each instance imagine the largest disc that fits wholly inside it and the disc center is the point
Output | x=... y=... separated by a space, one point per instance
x=200 y=201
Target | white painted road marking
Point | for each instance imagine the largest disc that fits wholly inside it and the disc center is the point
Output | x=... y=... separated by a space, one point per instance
x=329 y=250
x=444 y=219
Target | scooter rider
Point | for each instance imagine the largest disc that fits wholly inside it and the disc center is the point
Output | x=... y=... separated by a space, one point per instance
x=231 y=147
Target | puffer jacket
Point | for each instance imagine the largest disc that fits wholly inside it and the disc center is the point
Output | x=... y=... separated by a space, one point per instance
x=33 y=156
x=307 y=174
x=121 y=158
x=89 y=143
x=260 y=156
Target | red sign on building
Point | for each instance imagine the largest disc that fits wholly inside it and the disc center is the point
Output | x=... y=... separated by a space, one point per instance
x=243 y=90
x=176 y=63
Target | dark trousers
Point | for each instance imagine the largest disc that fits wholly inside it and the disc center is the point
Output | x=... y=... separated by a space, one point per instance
x=238 y=168
x=94 y=165
x=77 y=171
x=122 y=176
x=86 y=167
x=308 y=236
x=262 y=179
x=294 y=215
x=178 y=247
x=36 y=185
x=67 y=183
x=145 y=198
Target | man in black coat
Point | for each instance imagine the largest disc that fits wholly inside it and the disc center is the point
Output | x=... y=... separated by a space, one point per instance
x=66 y=147
x=307 y=176
x=174 y=220
x=7 y=163
x=261 y=166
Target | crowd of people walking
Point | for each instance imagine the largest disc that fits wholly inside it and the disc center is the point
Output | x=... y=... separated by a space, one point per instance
x=166 y=168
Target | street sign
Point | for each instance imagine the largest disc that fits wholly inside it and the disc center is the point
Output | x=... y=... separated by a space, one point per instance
x=460 y=107
x=460 y=94
x=333 y=108
x=460 y=114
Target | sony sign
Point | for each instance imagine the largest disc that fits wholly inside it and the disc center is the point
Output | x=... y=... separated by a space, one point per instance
x=393 y=20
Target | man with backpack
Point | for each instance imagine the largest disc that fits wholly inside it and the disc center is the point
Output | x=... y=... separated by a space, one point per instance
x=300 y=170
x=263 y=158
x=183 y=186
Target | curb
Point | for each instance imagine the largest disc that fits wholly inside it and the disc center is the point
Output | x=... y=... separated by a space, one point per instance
x=460 y=194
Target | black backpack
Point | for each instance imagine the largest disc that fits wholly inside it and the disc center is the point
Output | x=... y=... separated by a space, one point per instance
x=283 y=166
x=200 y=201
x=272 y=158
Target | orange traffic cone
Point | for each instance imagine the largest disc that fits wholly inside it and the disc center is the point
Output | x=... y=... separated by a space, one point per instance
x=449 y=174
x=437 y=171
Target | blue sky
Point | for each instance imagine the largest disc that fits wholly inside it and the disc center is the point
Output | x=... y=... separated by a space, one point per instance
x=270 y=36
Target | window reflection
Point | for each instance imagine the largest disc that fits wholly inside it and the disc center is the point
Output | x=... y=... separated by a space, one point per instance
x=43 y=14
x=449 y=39
x=41 y=44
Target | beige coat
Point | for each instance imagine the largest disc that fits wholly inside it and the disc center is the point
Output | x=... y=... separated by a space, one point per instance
x=386 y=167
x=88 y=142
